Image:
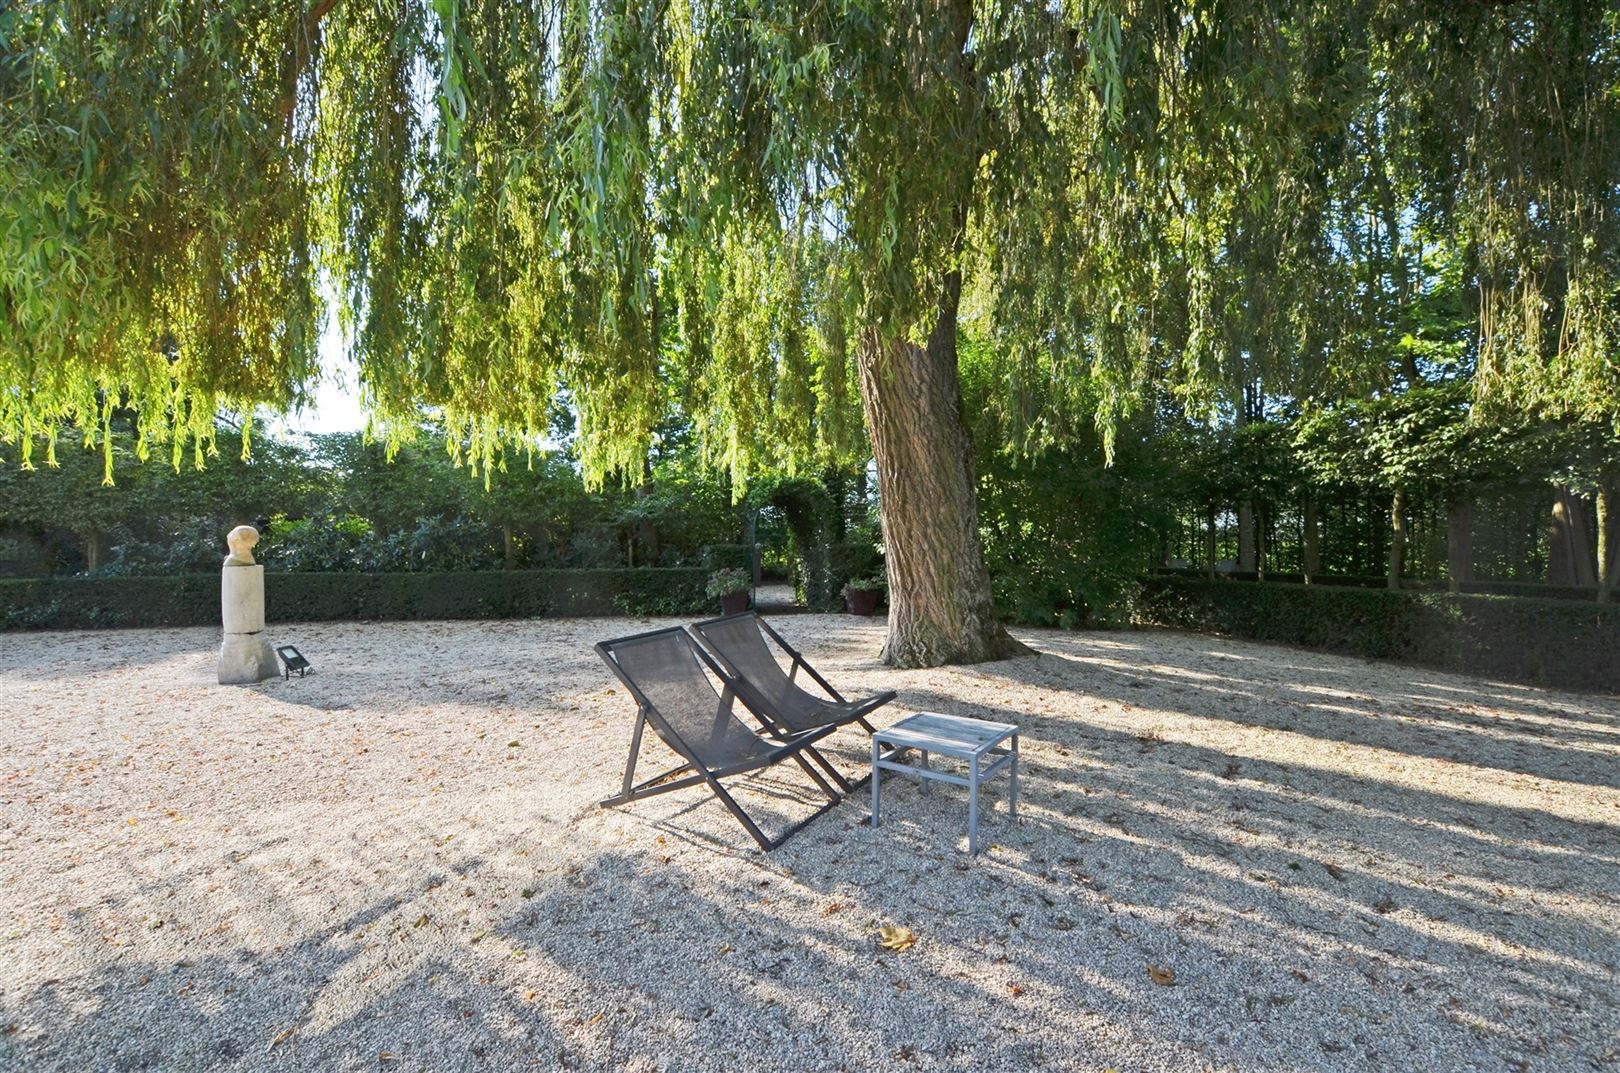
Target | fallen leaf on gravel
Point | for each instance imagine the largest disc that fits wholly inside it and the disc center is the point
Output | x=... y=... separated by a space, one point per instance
x=513 y=744
x=900 y=985
x=477 y=935
x=1015 y=989
x=725 y=948
x=1162 y=977
x=420 y=921
x=387 y=1056
x=282 y=1037
x=836 y=907
x=896 y=937
x=595 y=1020
x=1335 y=871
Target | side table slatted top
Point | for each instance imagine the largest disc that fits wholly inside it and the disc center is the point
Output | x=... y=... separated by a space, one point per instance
x=978 y=742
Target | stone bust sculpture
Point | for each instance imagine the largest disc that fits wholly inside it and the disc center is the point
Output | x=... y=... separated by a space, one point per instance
x=241 y=541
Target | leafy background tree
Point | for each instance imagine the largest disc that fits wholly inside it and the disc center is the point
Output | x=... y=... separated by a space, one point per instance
x=758 y=213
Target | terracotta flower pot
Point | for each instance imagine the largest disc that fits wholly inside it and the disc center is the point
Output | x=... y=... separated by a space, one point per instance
x=733 y=603
x=862 y=601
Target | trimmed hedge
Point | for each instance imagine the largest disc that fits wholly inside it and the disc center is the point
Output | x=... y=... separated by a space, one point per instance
x=1536 y=590
x=1549 y=642
x=193 y=599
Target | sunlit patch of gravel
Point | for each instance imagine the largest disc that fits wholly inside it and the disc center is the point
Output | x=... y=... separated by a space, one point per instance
x=398 y=864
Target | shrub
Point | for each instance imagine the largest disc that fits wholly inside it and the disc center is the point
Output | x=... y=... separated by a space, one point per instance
x=185 y=552
x=725 y=581
x=736 y=556
x=856 y=556
x=876 y=581
x=193 y=599
x=1552 y=642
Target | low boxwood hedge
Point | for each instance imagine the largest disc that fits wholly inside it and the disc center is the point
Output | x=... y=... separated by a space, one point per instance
x=193 y=599
x=1534 y=589
x=1551 y=642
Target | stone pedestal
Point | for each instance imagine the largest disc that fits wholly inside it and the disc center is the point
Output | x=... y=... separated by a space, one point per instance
x=245 y=656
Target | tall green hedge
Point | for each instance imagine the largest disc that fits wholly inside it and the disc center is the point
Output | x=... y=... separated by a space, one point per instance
x=193 y=599
x=1551 y=642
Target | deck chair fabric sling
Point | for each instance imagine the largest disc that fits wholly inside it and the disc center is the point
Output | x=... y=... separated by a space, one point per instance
x=738 y=644
x=664 y=672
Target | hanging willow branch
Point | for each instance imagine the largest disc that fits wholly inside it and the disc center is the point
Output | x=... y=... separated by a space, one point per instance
x=702 y=200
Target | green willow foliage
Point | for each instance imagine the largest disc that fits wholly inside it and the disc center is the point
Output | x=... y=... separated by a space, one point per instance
x=731 y=198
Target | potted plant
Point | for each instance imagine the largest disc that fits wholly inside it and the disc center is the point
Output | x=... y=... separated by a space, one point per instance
x=731 y=585
x=862 y=595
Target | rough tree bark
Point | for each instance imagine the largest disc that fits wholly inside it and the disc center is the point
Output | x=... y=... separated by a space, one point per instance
x=1459 y=544
x=1397 y=537
x=1608 y=541
x=1247 y=559
x=940 y=607
x=1570 y=559
x=1260 y=541
x=646 y=532
x=1210 y=551
x=1312 y=541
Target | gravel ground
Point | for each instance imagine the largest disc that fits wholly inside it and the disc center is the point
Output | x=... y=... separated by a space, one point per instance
x=398 y=864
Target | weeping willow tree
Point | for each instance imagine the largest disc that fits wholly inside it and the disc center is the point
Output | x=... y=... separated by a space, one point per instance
x=789 y=210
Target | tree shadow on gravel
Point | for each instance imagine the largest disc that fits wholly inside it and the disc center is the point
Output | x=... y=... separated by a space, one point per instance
x=1312 y=920
x=1543 y=740
x=1420 y=892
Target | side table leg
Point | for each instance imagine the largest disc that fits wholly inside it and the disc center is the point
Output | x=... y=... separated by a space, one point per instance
x=973 y=806
x=1012 y=788
x=922 y=783
x=876 y=782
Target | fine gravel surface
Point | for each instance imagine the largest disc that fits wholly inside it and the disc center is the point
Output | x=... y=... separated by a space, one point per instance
x=398 y=863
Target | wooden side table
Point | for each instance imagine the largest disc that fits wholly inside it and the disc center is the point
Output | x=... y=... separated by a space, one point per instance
x=973 y=741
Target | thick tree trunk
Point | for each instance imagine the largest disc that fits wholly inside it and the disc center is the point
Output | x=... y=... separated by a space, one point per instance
x=646 y=531
x=1247 y=560
x=1608 y=537
x=1397 y=536
x=940 y=607
x=508 y=548
x=1570 y=559
x=1459 y=544
x=1312 y=541
x=1260 y=541
x=1210 y=551
x=92 y=553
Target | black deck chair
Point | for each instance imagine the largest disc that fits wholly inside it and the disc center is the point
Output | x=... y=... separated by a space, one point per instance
x=738 y=644
x=663 y=672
